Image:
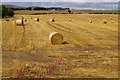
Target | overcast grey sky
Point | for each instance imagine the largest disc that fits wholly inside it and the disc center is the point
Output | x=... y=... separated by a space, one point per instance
x=59 y=0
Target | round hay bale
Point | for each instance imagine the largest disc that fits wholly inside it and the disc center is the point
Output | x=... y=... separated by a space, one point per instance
x=19 y=22
x=112 y=21
x=55 y=38
x=90 y=21
x=52 y=20
x=104 y=21
x=12 y=18
x=7 y=19
x=24 y=20
x=36 y=19
x=111 y=18
x=31 y=18
x=70 y=19
x=95 y=18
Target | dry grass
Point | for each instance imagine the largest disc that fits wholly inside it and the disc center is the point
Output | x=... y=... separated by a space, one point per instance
x=89 y=50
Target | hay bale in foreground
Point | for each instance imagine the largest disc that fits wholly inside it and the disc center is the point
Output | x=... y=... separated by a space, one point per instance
x=19 y=22
x=55 y=38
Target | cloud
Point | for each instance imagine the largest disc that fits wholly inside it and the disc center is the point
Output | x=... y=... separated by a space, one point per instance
x=60 y=0
x=71 y=5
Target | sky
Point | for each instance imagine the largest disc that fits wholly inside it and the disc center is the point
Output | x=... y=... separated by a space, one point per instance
x=72 y=4
x=59 y=0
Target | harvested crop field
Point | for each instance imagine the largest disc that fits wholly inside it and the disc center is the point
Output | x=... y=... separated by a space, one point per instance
x=88 y=49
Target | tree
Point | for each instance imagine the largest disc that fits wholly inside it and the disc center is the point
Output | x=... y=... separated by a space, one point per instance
x=7 y=12
x=69 y=11
x=4 y=11
x=10 y=13
x=0 y=11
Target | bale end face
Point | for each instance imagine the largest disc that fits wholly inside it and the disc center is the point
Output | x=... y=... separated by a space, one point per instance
x=19 y=22
x=55 y=38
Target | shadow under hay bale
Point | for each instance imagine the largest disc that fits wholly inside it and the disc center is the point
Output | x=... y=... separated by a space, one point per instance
x=65 y=42
x=55 y=38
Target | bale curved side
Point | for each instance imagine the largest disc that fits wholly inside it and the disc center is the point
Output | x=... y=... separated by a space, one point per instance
x=55 y=38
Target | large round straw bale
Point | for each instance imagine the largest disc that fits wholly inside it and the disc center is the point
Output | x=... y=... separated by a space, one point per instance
x=104 y=21
x=70 y=19
x=90 y=21
x=112 y=21
x=30 y=17
x=36 y=19
x=52 y=20
x=7 y=19
x=95 y=18
x=13 y=18
x=111 y=18
x=19 y=22
x=55 y=38
x=24 y=20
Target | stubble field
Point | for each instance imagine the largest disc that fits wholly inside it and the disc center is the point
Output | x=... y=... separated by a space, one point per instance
x=88 y=50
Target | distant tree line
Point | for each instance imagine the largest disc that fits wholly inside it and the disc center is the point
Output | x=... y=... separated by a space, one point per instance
x=6 y=12
x=41 y=8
